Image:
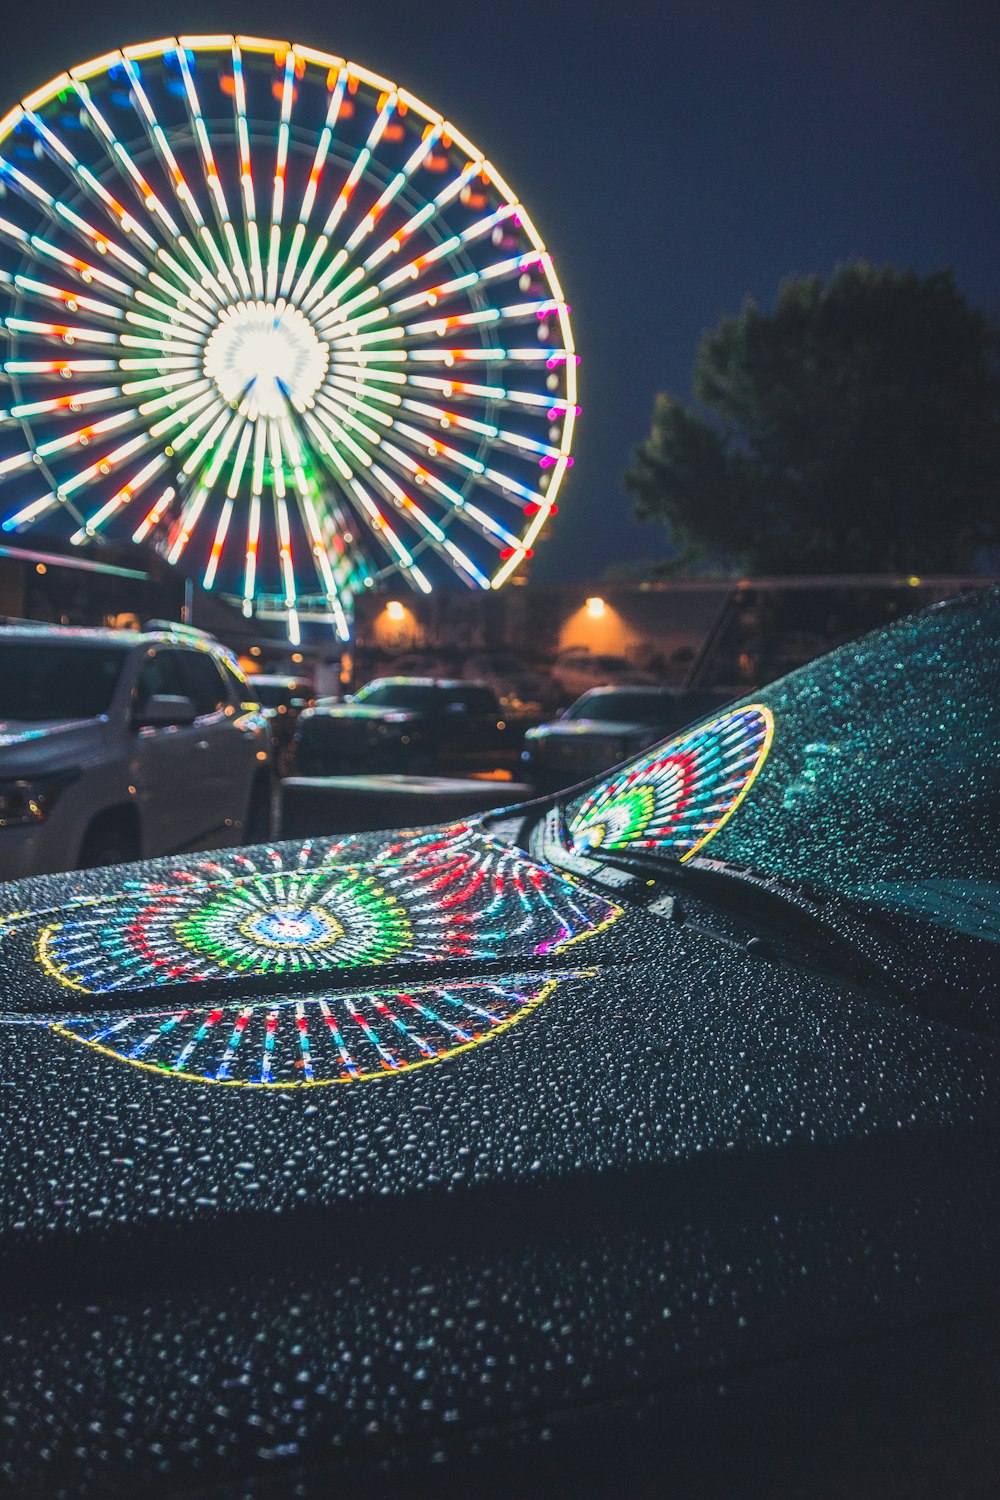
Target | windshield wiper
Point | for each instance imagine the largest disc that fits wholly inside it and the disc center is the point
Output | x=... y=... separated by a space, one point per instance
x=753 y=895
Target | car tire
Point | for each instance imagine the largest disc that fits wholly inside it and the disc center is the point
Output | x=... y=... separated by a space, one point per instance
x=111 y=839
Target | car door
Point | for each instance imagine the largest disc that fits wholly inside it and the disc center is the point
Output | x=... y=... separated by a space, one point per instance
x=163 y=765
x=223 y=755
x=472 y=737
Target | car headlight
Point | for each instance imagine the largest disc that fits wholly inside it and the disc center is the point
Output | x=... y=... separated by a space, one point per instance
x=31 y=799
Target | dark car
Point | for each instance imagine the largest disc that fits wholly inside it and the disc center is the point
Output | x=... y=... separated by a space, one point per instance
x=282 y=699
x=603 y=726
x=642 y=1140
x=405 y=724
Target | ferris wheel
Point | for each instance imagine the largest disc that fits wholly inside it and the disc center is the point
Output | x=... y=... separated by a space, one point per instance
x=269 y=313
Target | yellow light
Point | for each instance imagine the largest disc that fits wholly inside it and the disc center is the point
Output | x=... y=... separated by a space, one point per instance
x=254 y=650
x=596 y=608
x=395 y=610
x=296 y=656
x=913 y=581
x=40 y=568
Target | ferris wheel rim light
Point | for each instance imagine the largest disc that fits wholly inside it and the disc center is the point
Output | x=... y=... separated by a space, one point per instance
x=319 y=384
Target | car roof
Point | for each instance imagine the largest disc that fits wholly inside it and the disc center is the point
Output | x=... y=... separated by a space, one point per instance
x=632 y=690
x=433 y=682
x=73 y=635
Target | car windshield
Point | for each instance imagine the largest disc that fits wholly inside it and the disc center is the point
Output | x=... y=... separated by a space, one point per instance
x=625 y=708
x=872 y=772
x=391 y=694
x=45 y=680
x=274 y=694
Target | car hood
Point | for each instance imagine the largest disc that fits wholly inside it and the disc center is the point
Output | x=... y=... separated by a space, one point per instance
x=30 y=749
x=595 y=729
x=443 y=900
x=332 y=1141
x=362 y=713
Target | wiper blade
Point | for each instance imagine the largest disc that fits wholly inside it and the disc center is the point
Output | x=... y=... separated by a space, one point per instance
x=747 y=890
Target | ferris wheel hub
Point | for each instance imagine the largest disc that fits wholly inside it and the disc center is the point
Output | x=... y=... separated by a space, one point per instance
x=267 y=354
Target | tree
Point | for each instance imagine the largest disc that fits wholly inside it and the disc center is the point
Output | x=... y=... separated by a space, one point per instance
x=854 y=429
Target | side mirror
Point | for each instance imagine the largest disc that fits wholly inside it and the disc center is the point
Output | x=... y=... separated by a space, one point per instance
x=163 y=709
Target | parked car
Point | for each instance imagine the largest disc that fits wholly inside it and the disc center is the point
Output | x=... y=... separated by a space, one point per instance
x=603 y=726
x=116 y=745
x=405 y=724
x=575 y=671
x=519 y=687
x=282 y=699
x=640 y=1139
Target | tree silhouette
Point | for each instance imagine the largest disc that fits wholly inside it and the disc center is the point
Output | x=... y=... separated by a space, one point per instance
x=854 y=429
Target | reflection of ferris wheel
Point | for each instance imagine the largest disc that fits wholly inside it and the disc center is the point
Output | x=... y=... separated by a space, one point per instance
x=271 y=313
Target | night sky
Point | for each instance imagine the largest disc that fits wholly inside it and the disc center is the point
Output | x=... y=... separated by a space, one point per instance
x=675 y=157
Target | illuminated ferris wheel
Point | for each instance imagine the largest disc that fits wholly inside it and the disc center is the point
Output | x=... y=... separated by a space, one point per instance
x=271 y=314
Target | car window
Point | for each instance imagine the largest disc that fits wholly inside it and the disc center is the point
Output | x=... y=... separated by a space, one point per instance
x=477 y=700
x=388 y=694
x=159 y=674
x=273 y=694
x=872 y=772
x=201 y=681
x=628 y=708
x=47 y=681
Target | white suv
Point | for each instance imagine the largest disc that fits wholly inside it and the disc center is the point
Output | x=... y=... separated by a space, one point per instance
x=116 y=746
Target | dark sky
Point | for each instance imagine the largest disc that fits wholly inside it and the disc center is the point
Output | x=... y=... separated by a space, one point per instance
x=675 y=157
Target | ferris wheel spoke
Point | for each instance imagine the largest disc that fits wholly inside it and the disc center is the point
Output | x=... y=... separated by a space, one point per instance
x=182 y=309
x=218 y=542
x=120 y=498
x=314 y=530
x=446 y=249
x=307 y=291
x=424 y=216
x=212 y=432
x=119 y=156
x=177 y=421
x=416 y=159
x=323 y=143
x=246 y=171
x=516 y=440
x=186 y=522
x=35 y=245
x=98 y=396
x=436 y=535
x=456 y=504
x=185 y=197
x=370 y=220
x=362 y=502
x=278 y=192
x=212 y=179
x=95 y=190
x=61 y=216
x=68 y=487
x=155 y=514
x=72 y=301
